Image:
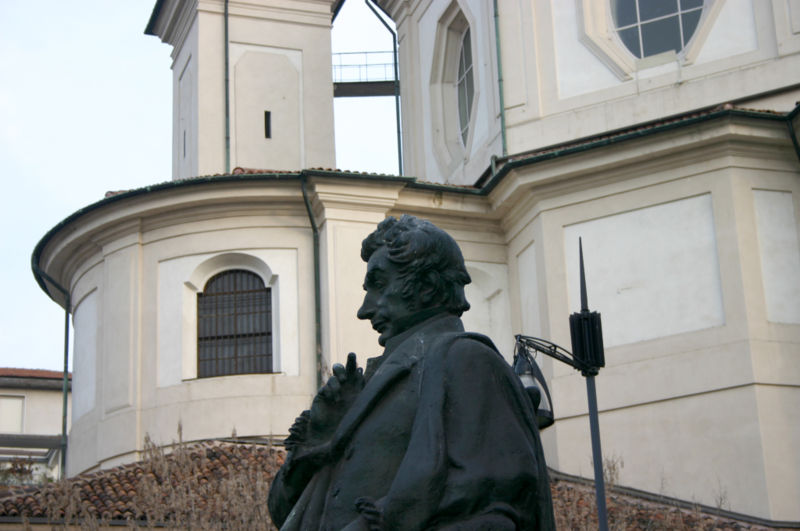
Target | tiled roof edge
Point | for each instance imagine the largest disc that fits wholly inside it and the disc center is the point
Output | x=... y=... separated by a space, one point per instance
x=487 y=182
x=676 y=502
x=238 y=175
x=18 y=372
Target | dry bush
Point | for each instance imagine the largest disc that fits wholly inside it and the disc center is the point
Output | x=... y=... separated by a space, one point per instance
x=226 y=485
x=199 y=487
x=575 y=509
x=205 y=490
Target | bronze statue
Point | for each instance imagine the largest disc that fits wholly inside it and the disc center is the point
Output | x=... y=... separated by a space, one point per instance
x=436 y=433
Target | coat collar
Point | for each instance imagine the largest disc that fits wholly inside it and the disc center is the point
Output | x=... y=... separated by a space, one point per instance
x=402 y=353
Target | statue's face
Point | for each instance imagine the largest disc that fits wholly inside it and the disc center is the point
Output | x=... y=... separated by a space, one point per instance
x=384 y=306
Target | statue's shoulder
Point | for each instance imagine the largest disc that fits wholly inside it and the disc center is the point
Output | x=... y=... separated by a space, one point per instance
x=479 y=338
x=470 y=348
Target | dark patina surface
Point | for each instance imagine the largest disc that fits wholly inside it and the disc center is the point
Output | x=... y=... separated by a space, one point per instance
x=436 y=433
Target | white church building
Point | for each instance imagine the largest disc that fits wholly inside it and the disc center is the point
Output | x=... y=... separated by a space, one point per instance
x=664 y=134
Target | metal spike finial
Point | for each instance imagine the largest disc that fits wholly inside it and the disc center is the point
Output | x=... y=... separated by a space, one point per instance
x=584 y=301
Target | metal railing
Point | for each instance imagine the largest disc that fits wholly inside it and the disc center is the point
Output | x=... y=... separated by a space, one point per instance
x=362 y=67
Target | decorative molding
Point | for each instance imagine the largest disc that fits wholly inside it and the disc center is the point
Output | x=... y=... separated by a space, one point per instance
x=596 y=32
x=449 y=150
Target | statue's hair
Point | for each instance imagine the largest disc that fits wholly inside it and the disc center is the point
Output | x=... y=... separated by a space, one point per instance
x=421 y=250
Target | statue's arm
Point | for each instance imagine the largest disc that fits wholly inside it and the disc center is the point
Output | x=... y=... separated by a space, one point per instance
x=296 y=472
x=308 y=443
x=282 y=497
x=501 y=473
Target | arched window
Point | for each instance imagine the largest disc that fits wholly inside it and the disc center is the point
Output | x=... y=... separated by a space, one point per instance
x=234 y=325
x=465 y=86
x=650 y=27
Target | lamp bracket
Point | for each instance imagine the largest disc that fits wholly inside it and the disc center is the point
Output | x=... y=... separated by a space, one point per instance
x=549 y=348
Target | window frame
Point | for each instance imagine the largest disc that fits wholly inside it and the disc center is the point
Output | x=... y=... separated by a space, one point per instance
x=465 y=85
x=22 y=399
x=639 y=25
x=213 y=343
x=450 y=147
x=278 y=267
x=597 y=31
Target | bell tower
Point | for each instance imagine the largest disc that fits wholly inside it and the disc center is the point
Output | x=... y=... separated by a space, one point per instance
x=252 y=83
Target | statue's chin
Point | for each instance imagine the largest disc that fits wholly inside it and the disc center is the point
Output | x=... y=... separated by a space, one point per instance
x=383 y=338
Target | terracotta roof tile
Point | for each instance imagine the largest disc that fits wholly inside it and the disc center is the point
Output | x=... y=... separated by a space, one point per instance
x=160 y=488
x=205 y=484
x=32 y=373
x=255 y=171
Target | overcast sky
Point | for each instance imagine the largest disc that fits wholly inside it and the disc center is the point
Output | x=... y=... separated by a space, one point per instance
x=85 y=107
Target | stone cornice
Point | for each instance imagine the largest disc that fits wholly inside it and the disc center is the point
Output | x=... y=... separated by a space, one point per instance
x=172 y=19
x=505 y=198
x=345 y=199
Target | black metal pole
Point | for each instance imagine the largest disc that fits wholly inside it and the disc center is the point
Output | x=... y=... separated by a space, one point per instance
x=396 y=82
x=597 y=455
x=64 y=388
x=41 y=277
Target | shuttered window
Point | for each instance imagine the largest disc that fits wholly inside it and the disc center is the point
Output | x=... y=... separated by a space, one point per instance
x=234 y=325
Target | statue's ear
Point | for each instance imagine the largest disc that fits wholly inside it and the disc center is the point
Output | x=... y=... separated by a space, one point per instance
x=428 y=289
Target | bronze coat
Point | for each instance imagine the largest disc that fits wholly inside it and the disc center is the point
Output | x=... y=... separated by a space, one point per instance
x=442 y=436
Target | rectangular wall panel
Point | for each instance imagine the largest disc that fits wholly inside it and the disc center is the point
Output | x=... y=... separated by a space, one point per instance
x=780 y=255
x=119 y=307
x=651 y=273
x=529 y=291
x=84 y=360
x=11 y=414
x=490 y=311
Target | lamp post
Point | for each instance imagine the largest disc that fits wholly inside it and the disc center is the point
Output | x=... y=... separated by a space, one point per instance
x=587 y=356
x=530 y=374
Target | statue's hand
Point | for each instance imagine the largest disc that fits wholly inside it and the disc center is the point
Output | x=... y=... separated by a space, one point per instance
x=333 y=400
x=298 y=433
x=370 y=512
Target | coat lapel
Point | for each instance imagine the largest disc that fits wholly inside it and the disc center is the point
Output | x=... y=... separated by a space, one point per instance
x=409 y=349
x=396 y=366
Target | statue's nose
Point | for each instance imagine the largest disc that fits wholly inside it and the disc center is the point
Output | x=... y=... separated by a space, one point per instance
x=366 y=311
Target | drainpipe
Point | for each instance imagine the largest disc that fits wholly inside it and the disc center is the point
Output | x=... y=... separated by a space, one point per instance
x=317 y=282
x=500 y=79
x=65 y=379
x=396 y=84
x=227 y=98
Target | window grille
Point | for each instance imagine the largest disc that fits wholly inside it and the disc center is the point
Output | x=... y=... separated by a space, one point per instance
x=649 y=27
x=234 y=325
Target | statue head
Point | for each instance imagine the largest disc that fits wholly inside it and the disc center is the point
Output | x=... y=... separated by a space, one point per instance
x=414 y=270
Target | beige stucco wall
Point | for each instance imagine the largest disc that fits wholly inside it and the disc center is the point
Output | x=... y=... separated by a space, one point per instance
x=690 y=238
x=40 y=410
x=278 y=61
x=136 y=296
x=567 y=75
x=28 y=410
x=698 y=377
x=672 y=259
x=135 y=267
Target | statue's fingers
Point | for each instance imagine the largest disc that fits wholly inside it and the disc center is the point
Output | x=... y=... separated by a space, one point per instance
x=334 y=387
x=339 y=371
x=351 y=364
x=328 y=391
x=324 y=393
